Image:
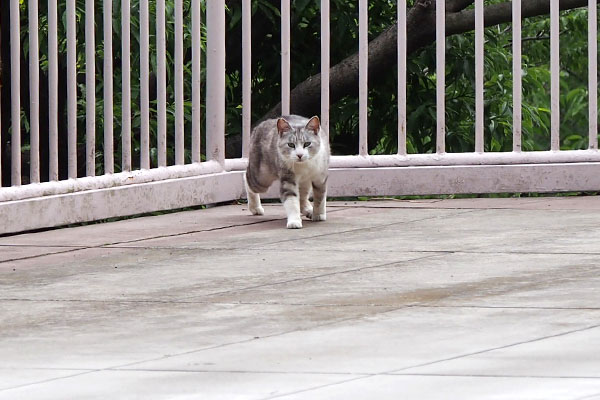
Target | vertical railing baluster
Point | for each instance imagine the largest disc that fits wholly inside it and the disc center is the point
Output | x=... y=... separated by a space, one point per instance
x=109 y=159
x=517 y=75
x=34 y=92
x=196 y=80
x=363 y=63
x=479 y=76
x=161 y=77
x=53 y=88
x=144 y=85
x=246 y=75
x=126 y=85
x=285 y=56
x=440 y=47
x=1 y=147
x=554 y=77
x=402 y=55
x=179 y=116
x=15 y=93
x=325 y=62
x=593 y=73
x=72 y=88
x=90 y=90
x=215 y=77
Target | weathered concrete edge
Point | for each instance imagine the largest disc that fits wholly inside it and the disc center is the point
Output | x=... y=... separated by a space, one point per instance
x=91 y=205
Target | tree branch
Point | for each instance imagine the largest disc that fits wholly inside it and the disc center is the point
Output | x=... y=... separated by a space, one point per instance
x=305 y=97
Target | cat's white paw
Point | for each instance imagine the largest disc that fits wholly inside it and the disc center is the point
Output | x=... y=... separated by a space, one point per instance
x=294 y=223
x=308 y=211
x=257 y=210
x=319 y=217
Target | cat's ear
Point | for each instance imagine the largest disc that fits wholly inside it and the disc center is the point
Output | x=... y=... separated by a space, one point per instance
x=314 y=125
x=283 y=126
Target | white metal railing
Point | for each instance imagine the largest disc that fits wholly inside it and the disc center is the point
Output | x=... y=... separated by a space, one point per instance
x=218 y=178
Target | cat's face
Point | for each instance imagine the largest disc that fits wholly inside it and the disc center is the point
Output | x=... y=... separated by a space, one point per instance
x=298 y=144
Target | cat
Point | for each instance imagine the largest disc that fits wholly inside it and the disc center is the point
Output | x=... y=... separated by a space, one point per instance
x=295 y=151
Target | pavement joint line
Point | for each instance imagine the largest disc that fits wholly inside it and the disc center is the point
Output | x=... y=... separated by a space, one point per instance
x=495 y=376
x=208 y=371
x=511 y=252
x=116 y=244
x=123 y=367
x=594 y=396
x=424 y=305
x=79 y=248
x=206 y=302
x=41 y=382
x=366 y=228
x=534 y=340
x=197 y=231
x=519 y=252
x=51 y=246
x=310 y=389
x=72 y=250
x=397 y=372
x=300 y=279
x=291 y=304
x=108 y=245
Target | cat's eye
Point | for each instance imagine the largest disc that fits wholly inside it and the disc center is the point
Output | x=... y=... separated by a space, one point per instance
x=306 y=144
x=292 y=145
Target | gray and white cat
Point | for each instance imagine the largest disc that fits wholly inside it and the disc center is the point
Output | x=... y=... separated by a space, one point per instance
x=295 y=151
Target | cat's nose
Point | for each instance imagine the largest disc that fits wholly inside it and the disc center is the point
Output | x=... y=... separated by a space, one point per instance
x=300 y=156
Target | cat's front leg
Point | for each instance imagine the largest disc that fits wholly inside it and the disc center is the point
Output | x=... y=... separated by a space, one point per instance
x=291 y=202
x=320 y=201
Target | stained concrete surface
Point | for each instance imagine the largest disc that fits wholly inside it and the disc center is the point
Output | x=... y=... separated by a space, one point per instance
x=428 y=299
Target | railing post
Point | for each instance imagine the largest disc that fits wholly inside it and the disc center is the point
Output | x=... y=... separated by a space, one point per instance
x=108 y=150
x=479 y=42
x=161 y=78
x=593 y=73
x=402 y=54
x=554 y=77
x=325 y=63
x=72 y=88
x=363 y=76
x=126 y=85
x=196 y=80
x=15 y=67
x=144 y=85
x=215 y=76
x=90 y=90
x=34 y=92
x=285 y=57
x=179 y=112
x=246 y=76
x=517 y=79
x=440 y=46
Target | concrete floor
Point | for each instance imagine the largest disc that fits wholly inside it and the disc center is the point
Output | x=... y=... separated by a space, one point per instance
x=452 y=299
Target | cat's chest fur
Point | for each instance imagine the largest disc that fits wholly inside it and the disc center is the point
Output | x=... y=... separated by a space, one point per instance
x=313 y=169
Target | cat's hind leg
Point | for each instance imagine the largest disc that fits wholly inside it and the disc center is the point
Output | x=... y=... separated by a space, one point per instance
x=320 y=201
x=254 y=204
x=305 y=207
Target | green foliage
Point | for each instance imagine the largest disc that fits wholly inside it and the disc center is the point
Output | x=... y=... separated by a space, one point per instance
x=460 y=84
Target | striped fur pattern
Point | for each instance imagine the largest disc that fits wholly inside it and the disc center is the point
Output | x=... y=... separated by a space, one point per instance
x=295 y=151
